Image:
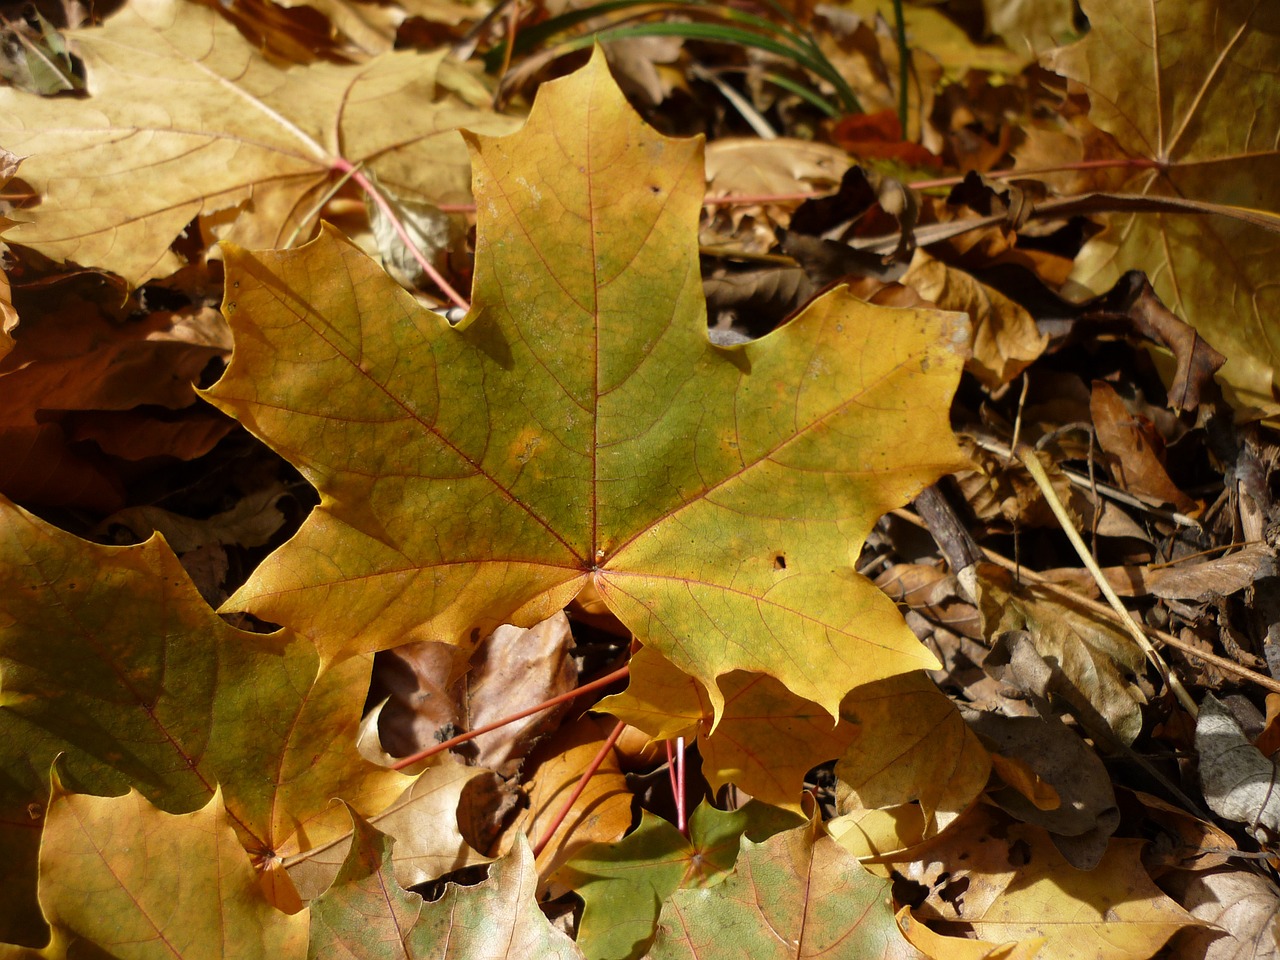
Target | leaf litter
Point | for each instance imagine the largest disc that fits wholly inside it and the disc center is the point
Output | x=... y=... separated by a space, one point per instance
x=1040 y=794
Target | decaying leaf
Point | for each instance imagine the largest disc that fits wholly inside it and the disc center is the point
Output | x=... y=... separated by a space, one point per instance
x=180 y=101
x=1169 y=80
x=1239 y=782
x=1009 y=883
x=714 y=497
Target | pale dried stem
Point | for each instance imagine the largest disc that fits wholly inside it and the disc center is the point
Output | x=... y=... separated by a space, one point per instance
x=1029 y=460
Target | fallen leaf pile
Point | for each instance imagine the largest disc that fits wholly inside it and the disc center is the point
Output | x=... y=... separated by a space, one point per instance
x=701 y=589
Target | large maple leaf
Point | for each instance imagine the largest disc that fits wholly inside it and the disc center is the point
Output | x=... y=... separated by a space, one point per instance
x=578 y=429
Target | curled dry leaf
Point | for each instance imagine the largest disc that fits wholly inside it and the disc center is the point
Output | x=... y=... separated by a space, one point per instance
x=1239 y=783
x=1085 y=814
x=1133 y=449
x=1078 y=655
x=601 y=813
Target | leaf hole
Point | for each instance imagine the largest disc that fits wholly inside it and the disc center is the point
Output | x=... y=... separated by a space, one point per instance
x=780 y=562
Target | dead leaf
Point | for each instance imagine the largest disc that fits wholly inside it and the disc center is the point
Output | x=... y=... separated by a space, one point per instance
x=1242 y=906
x=1239 y=782
x=1008 y=884
x=180 y=100
x=1167 y=81
x=1133 y=449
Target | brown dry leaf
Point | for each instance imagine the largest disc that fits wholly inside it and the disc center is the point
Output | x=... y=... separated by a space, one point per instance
x=1187 y=88
x=424 y=822
x=1239 y=783
x=1085 y=814
x=251 y=523
x=512 y=669
x=1199 y=580
x=767 y=738
x=1077 y=654
x=1009 y=884
x=748 y=165
x=1005 y=337
x=78 y=366
x=1242 y=905
x=180 y=102
x=602 y=813
x=916 y=767
x=1133 y=449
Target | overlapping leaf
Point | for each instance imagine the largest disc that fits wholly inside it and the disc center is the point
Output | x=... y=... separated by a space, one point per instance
x=187 y=119
x=579 y=427
x=1189 y=87
x=112 y=660
x=367 y=914
x=797 y=894
x=623 y=885
x=138 y=883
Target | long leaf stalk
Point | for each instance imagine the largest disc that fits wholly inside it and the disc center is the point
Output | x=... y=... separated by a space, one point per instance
x=609 y=678
x=581 y=786
x=349 y=169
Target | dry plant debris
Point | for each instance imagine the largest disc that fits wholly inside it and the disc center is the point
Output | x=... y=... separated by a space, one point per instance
x=790 y=482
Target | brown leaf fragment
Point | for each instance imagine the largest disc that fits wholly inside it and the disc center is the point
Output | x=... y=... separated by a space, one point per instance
x=1243 y=907
x=1005 y=337
x=1053 y=647
x=1133 y=449
x=1239 y=783
x=1137 y=309
x=512 y=669
x=1086 y=814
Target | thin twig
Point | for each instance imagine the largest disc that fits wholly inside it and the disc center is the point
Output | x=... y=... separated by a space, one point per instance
x=1104 y=610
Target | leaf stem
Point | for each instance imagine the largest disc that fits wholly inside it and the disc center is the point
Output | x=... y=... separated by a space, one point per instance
x=1028 y=458
x=581 y=786
x=349 y=169
x=904 y=64
x=461 y=738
